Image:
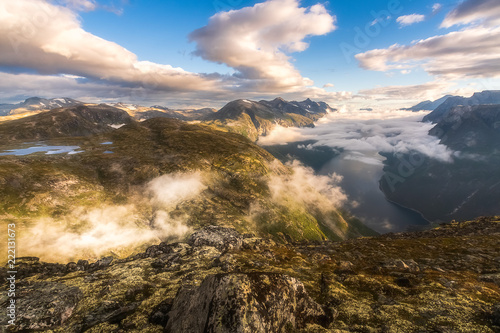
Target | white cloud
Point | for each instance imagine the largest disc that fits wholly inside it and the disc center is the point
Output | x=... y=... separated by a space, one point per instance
x=255 y=41
x=406 y=20
x=426 y=91
x=436 y=8
x=329 y=85
x=386 y=131
x=79 y=5
x=49 y=39
x=37 y=35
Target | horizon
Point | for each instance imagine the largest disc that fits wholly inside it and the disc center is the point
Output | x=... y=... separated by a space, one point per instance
x=386 y=54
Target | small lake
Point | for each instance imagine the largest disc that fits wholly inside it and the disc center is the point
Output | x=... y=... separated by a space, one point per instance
x=49 y=150
x=361 y=172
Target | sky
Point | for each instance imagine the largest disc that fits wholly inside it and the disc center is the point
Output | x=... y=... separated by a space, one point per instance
x=367 y=53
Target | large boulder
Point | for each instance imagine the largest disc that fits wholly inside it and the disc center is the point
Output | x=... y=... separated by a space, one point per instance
x=243 y=303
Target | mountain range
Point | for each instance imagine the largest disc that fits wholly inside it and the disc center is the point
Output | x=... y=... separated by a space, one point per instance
x=427 y=105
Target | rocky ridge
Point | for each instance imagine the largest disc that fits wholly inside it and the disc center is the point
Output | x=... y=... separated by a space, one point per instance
x=441 y=280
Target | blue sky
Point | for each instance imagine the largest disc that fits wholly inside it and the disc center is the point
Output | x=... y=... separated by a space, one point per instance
x=129 y=50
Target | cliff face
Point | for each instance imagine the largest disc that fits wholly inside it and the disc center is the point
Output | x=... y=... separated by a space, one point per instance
x=441 y=280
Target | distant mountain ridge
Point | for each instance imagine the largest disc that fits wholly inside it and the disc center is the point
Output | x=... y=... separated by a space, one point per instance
x=36 y=104
x=479 y=98
x=427 y=105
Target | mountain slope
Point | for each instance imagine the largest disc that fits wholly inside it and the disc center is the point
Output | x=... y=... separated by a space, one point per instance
x=484 y=97
x=141 y=113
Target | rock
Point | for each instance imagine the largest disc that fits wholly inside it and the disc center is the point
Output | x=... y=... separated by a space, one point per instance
x=253 y=303
x=219 y=237
x=82 y=265
x=492 y=278
x=111 y=312
x=403 y=281
x=44 y=305
x=101 y=263
x=159 y=315
x=71 y=267
x=402 y=266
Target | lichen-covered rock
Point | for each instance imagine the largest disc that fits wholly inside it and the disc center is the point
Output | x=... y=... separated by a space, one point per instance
x=252 y=303
x=44 y=305
x=219 y=237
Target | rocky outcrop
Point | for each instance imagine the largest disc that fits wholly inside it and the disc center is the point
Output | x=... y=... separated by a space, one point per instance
x=218 y=237
x=246 y=303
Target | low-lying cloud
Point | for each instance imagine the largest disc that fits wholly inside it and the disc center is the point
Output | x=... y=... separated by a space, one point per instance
x=391 y=132
x=304 y=187
x=120 y=229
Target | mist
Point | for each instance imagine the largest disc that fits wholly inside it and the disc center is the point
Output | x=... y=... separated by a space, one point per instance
x=90 y=233
x=304 y=187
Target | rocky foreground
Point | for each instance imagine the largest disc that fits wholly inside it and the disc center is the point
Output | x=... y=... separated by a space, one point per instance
x=441 y=280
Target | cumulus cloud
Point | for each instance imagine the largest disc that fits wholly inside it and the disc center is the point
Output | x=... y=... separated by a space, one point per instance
x=473 y=52
x=255 y=40
x=370 y=131
x=406 y=20
x=47 y=38
x=121 y=229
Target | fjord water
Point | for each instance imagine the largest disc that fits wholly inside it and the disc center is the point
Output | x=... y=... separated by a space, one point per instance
x=361 y=175
x=361 y=172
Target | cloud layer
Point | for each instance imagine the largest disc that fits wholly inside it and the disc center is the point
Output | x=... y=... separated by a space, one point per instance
x=394 y=131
